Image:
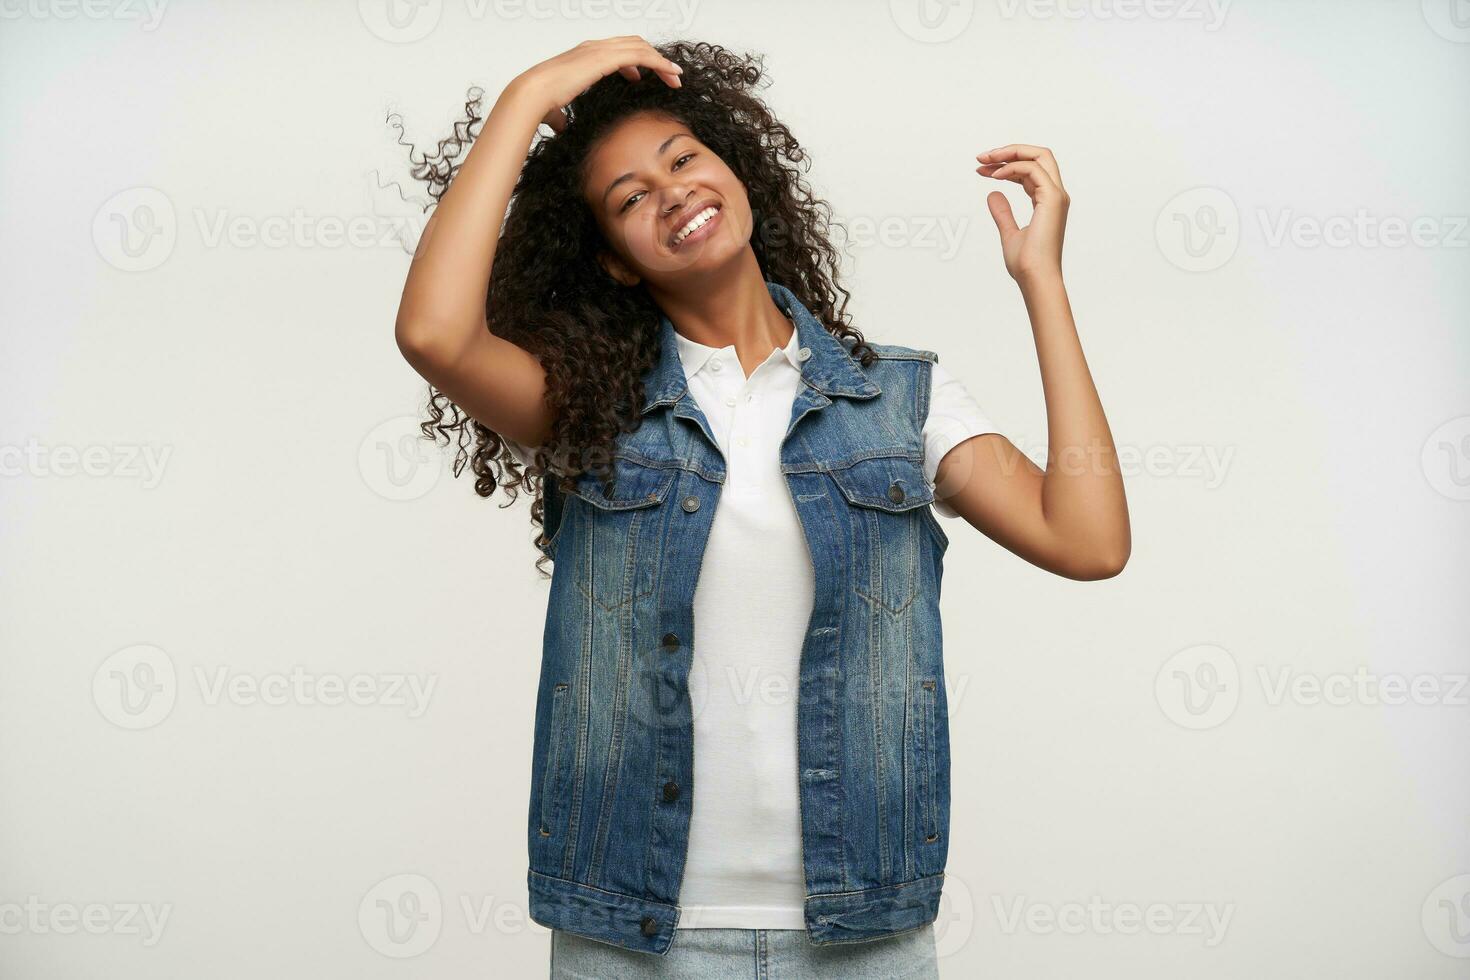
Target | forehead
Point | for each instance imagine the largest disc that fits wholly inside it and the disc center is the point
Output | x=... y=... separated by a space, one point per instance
x=629 y=148
x=633 y=142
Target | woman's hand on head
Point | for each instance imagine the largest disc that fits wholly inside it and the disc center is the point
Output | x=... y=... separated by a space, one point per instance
x=1034 y=251
x=557 y=81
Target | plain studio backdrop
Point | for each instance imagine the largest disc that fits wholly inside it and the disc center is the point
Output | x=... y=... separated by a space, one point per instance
x=268 y=668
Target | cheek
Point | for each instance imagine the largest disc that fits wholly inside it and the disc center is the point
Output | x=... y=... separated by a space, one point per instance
x=739 y=222
x=639 y=238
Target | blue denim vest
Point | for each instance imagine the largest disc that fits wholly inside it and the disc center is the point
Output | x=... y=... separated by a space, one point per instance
x=612 y=763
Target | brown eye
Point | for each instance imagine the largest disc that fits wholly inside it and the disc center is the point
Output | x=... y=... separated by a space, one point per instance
x=633 y=199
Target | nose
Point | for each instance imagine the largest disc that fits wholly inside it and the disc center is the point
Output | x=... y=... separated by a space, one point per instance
x=673 y=197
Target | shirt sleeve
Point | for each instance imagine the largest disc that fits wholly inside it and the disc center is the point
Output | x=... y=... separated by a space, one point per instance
x=521 y=452
x=954 y=416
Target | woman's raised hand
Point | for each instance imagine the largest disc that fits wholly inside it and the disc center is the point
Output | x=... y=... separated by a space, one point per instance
x=557 y=81
x=1035 y=250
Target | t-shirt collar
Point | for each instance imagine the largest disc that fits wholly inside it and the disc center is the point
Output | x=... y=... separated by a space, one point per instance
x=695 y=355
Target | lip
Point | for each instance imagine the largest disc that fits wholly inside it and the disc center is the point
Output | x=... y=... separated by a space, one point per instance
x=703 y=230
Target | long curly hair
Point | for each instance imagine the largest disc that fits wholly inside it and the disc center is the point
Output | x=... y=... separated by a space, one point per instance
x=595 y=337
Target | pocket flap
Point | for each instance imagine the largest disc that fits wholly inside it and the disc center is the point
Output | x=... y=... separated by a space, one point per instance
x=892 y=483
x=630 y=485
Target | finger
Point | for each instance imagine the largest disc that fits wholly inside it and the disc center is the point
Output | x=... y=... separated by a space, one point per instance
x=647 y=56
x=1024 y=151
x=637 y=50
x=1024 y=173
x=1028 y=174
x=1000 y=210
x=666 y=68
x=632 y=74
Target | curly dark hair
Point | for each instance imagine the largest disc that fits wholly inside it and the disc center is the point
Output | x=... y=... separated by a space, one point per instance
x=595 y=337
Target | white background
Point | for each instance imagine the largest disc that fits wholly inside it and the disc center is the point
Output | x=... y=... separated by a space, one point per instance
x=1296 y=414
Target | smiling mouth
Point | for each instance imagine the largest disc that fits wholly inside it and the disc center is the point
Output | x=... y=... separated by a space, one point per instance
x=697 y=226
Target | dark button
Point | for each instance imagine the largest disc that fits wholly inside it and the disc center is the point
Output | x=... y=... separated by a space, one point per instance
x=895 y=494
x=671 y=791
x=671 y=641
x=607 y=488
x=690 y=504
x=649 y=925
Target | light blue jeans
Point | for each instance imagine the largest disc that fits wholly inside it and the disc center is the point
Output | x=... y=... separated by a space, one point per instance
x=749 y=954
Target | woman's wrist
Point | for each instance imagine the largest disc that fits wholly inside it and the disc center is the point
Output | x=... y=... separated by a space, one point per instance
x=1040 y=280
x=520 y=98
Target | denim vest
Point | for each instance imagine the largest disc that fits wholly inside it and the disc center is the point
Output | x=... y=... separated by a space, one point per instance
x=612 y=762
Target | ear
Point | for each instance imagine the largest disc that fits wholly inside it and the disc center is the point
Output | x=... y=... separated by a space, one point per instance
x=616 y=268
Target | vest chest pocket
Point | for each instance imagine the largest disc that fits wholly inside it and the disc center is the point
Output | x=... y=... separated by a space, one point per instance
x=621 y=529
x=888 y=503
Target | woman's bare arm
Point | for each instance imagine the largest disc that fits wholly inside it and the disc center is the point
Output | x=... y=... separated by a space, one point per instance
x=441 y=327
x=1072 y=517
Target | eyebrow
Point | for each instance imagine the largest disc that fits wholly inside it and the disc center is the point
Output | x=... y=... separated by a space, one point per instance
x=662 y=148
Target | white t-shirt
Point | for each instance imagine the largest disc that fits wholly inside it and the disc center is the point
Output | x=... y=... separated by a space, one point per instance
x=752 y=604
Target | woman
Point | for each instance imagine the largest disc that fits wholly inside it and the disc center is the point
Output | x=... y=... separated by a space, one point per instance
x=736 y=490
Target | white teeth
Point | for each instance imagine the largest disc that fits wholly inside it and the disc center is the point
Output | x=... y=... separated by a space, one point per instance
x=694 y=223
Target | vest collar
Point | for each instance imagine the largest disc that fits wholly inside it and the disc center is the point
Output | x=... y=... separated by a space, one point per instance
x=828 y=368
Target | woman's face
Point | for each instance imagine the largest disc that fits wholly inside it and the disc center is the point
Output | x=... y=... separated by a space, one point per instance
x=646 y=180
